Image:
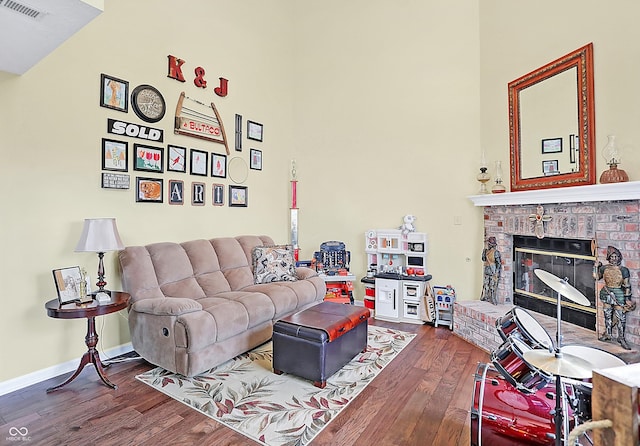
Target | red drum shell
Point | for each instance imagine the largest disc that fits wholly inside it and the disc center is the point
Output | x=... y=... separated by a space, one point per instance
x=509 y=360
x=520 y=323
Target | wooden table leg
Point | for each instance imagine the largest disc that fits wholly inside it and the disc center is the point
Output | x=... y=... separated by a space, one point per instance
x=91 y=356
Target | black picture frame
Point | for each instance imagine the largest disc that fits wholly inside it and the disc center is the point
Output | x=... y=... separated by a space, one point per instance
x=198 y=162
x=114 y=93
x=218 y=165
x=550 y=167
x=217 y=194
x=552 y=145
x=149 y=190
x=238 y=196
x=176 y=158
x=148 y=158
x=238 y=133
x=255 y=131
x=255 y=159
x=115 y=155
x=67 y=281
x=175 y=192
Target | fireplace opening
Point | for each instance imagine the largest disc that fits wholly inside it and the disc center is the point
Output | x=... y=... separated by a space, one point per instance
x=564 y=258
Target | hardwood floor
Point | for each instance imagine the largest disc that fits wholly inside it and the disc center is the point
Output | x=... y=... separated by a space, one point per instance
x=422 y=398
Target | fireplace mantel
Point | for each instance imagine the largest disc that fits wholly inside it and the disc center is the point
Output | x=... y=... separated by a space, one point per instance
x=574 y=194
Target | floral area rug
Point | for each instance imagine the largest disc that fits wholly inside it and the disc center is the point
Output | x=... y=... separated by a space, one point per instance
x=245 y=395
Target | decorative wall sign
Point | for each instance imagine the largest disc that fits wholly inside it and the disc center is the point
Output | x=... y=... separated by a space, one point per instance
x=198 y=123
x=218 y=194
x=149 y=190
x=147 y=102
x=176 y=158
x=238 y=196
x=176 y=192
x=114 y=155
x=254 y=131
x=115 y=180
x=198 y=162
x=175 y=72
x=114 y=93
x=197 y=194
x=148 y=158
x=239 y=133
x=218 y=165
x=256 y=159
x=123 y=128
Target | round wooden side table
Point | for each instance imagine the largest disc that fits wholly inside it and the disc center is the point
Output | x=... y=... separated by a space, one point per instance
x=90 y=310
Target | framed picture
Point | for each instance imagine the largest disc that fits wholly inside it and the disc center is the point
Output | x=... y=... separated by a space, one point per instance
x=256 y=159
x=550 y=167
x=553 y=145
x=198 y=162
x=115 y=180
x=176 y=158
x=572 y=149
x=176 y=192
x=218 y=165
x=115 y=155
x=197 y=194
x=218 y=194
x=148 y=158
x=238 y=133
x=238 y=196
x=254 y=131
x=114 y=93
x=149 y=190
x=67 y=282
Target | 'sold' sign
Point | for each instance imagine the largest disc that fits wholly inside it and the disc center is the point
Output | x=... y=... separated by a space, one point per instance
x=122 y=128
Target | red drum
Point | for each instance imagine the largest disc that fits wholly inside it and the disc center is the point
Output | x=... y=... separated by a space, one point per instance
x=503 y=416
x=519 y=323
x=509 y=360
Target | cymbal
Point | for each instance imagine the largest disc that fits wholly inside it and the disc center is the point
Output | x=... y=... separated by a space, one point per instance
x=562 y=364
x=562 y=287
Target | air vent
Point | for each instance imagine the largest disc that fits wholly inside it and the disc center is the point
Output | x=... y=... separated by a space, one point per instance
x=22 y=9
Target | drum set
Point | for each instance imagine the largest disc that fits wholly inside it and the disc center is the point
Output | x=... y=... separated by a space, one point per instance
x=535 y=390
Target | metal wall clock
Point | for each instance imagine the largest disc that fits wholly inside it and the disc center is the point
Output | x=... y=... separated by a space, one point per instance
x=147 y=102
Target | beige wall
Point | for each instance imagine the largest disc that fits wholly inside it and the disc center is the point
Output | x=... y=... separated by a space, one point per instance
x=385 y=107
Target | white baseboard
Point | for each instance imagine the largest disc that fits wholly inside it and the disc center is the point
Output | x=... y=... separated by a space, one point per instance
x=51 y=372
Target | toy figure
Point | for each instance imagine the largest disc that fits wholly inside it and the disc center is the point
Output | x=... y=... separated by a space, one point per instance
x=408 y=226
x=615 y=295
x=492 y=269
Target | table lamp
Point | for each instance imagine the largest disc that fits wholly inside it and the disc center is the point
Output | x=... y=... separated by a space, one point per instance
x=100 y=235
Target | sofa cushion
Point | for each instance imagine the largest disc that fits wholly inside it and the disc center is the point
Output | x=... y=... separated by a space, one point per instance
x=273 y=264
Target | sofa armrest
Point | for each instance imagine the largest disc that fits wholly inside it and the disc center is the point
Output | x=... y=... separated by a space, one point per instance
x=303 y=272
x=166 y=306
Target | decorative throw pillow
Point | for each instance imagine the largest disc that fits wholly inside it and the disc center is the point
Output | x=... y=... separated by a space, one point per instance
x=273 y=264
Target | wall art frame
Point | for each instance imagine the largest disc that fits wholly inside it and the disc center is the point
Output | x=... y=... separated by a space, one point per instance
x=67 y=281
x=552 y=145
x=218 y=165
x=238 y=133
x=550 y=167
x=148 y=158
x=238 y=196
x=114 y=93
x=255 y=131
x=198 y=160
x=175 y=192
x=115 y=155
x=198 y=192
x=176 y=158
x=218 y=194
x=256 y=159
x=149 y=190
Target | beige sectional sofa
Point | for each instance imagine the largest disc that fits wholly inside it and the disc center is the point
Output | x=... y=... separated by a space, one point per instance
x=196 y=304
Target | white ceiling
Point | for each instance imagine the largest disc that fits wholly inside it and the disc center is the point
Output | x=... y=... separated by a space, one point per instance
x=31 y=29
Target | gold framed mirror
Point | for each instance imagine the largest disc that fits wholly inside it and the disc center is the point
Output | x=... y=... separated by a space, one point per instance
x=552 y=124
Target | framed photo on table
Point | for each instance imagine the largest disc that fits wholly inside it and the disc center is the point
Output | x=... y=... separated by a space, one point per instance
x=67 y=282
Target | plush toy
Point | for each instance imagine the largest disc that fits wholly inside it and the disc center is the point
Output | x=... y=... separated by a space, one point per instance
x=407 y=226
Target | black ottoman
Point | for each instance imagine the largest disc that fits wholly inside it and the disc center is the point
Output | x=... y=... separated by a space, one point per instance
x=317 y=342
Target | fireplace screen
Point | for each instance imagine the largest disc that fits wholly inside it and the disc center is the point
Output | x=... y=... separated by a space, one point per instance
x=565 y=259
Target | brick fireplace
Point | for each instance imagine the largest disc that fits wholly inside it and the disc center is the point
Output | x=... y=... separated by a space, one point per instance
x=609 y=214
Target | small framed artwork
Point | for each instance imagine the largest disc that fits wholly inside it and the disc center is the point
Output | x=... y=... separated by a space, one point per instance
x=256 y=159
x=218 y=165
x=197 y=194
x=238 y=196
x=176 y=158
x=550 y=167
x=148 y=158
x=218 y=194
x=198 y=162
x=114 y=93
x=238 y=133
x=114 y=155
x=552 y=145
x=176 y=192
x=149 y=190
x=67 y=282
x=115 y=180
x=254 y=131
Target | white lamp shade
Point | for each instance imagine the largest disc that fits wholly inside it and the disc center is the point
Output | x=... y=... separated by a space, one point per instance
x=99 y=235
